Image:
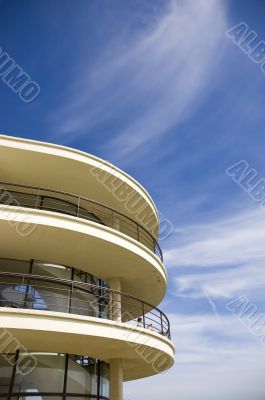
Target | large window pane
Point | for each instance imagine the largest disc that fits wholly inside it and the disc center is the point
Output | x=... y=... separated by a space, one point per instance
x=6 y=368
x=45 y=295
x=48 y=376
x=44 y=268
x=82 y=375
x=104 y=379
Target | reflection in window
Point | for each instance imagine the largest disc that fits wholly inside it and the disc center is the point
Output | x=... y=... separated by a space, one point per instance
x=44 y=268
x=56 y=374
x=20 y=291
x=32 y=298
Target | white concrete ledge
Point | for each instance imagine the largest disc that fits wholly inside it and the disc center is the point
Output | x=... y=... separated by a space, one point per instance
x=144 y=353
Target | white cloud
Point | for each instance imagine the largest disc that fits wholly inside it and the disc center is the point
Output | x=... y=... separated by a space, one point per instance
x=217 y=359
x=223 y=259
x=231 y=241
x=155 y=80
x=248 y=280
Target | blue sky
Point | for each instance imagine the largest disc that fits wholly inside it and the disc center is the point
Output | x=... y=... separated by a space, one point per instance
x=158 y=88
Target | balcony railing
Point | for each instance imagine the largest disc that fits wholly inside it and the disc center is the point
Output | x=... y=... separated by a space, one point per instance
x=77 y=206
x=61 y=295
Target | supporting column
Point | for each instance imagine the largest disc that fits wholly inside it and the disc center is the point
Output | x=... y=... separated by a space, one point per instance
x=115 y=301
x=116 y=379
x=116 y=374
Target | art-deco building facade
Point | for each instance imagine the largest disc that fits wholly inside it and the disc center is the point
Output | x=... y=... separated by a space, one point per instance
x=81 y=275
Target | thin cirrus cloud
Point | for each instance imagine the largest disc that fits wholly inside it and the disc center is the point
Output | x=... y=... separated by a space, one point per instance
x=221 y=259
x=234 y=240
x=152 y=83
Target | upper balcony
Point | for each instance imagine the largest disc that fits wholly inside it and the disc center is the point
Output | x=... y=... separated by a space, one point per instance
x=41 y=164
x=77 y=206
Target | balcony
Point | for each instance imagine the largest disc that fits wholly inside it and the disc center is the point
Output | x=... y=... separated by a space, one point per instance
x=77 y=206
x=35 y=292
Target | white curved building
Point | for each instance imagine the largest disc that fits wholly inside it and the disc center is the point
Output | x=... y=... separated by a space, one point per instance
x=81 y=275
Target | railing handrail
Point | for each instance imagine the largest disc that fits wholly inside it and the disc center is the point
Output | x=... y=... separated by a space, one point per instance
x=72 y=283
x=79 y=197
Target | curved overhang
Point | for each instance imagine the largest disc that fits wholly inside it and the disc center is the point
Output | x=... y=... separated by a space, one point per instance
x=30 y=162
x=144 y=353
x=28 y=233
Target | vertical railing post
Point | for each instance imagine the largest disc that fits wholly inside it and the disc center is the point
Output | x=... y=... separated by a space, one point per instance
x=162 y=328
x=70 y=297
x=112 y=219
x=143 y=315
x=38 y=197
x=78 y=207
x=20 y=297
x=138 y=233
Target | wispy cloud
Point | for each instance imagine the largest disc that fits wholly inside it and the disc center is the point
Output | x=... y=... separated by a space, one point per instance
x=149 y=83
x=228 y=241
x=217 y=359
x=222 y=259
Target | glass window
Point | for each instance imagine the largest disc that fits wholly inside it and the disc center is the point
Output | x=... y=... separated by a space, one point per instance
x=9 y=295
x=45 y=295
x=104 y=379
x=48 y=376
x=82 y=276
x=58 y=205
x=20 y=199
x=6 y=368
x=36 y=397
x=83 y=213
x=18 y=266
x=44 y=268
x=82 y=375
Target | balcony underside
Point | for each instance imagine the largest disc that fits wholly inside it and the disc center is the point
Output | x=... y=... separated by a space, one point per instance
x=144 y=353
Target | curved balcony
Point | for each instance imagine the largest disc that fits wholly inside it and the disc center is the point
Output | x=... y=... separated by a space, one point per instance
x=77 y=206
x=35 y=292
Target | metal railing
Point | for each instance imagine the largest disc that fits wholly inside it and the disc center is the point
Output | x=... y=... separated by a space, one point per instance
x=45 y=293
x=77 y=206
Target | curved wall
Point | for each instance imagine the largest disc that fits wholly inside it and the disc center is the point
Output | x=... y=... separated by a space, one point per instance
x=30 y=162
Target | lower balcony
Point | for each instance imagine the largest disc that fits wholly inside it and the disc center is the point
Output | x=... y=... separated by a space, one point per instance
x=50 y=314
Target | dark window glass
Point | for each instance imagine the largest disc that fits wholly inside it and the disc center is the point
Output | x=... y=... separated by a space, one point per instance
x=18 y=266
x=14 y=198
x=6 y=368
x=58 y=205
